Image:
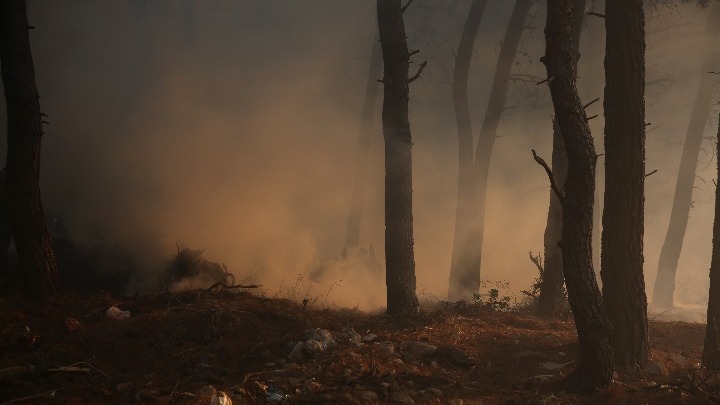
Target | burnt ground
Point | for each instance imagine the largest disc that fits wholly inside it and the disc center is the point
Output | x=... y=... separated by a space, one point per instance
x=177 y=348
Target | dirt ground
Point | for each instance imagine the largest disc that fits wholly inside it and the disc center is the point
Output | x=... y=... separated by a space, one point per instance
x=179 y=348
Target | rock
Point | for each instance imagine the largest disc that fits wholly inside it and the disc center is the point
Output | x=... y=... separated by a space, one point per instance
x=417 y=350
x=401 y=397
x=455 y=356
x=369 y=338
x=72 y=324
x=651 y=384
x=677 y=358
x=434 y=364
x=435 y=392
x=367 y=396
x=654 y=368
x=149 y=394
x=117 y=314
x=352 y=336
x=294 y=381
x=552 y=366
x=122 y=386
x=387 y=348
x=207 y=391
x=220 y=398
x=318 y=341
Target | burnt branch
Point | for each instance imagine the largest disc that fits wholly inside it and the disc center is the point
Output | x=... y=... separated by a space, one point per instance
x=591 y=103
x=419 y=72
x=553 y=185
x=405 y=7
x=595 y=14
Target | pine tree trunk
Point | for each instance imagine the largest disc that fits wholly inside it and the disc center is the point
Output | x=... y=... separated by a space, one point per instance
x=595 y=368
x=36 y=258
x=465 y=265
x=711 y=349
x=465 y=142
x=552 y=278
x=363 y=153
x=682 y=201
x=399 y=256
x=623 y=217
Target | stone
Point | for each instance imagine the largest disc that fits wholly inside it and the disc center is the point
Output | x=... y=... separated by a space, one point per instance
x=654 y=368
x=402 y=397
x=367 y=396
x=369 y=338
x=417 y=350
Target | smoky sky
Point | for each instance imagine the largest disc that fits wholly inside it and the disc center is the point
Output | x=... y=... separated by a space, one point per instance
x=231 y=126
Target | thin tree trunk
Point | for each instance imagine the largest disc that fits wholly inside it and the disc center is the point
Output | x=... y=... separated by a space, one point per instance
x=623 y=217
x=552 y=277
x=682 y=201
x=36 y=258
x=465 y=138
x=399 y=255
x=465 y=266
x=363 y=153
x=595 y=368
x=711 y=349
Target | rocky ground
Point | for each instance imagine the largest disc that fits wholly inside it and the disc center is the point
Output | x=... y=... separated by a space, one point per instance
x=226 y=347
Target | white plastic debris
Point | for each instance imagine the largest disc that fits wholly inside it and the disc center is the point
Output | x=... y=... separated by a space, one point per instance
x=220 y=398
x=117 y=313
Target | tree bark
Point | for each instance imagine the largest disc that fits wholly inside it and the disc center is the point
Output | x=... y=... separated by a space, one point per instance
x=36 y=258
x=552 y=277
x=467 y=253
x=595 y=366
x=682 y=201
x=363 y=153
x=465 y=141
x=623 y=217
x=399 y=255
x=711 y=349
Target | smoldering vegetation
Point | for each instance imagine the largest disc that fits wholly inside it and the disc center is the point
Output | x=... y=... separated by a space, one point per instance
x=230 y=127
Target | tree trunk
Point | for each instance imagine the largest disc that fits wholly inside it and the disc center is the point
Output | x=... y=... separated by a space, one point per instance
x=399 y=256
x=465 y=140
x=595 y=368
x=623 y=216
x=27 y=220
x=465 y=265
x=682 y=201
x=711 y=349
x=363 y=153
x=552 y=277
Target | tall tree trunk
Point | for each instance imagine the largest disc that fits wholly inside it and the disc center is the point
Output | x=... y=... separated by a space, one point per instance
x=552 y=277
x=465 y=139
x=623 y=217
x=27 y=219
x=465 y=265
x=363 y=153
x=399 y=255
x=711 y=349
x=595 y=366
x=682 y=201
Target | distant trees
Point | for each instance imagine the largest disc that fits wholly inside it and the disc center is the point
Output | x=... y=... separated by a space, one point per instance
x=474 y=168
x=711 y=348
x=399 y=249
x=682 y=200
x=36 y=258
x=595 y=366
x=372 y=89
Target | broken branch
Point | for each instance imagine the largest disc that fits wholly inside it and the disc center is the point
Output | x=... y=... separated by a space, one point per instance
x=553 y=185
x=419 y=72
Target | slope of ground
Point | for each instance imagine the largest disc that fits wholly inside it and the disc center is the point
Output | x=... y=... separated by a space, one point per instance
x=179 y=348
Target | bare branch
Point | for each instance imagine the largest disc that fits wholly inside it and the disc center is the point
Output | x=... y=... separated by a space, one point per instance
x=407 y=5
x=591 y=103
x=419 y=72
x=595 y=14
x=589 y=118
x=651 y=173
x=553 y=185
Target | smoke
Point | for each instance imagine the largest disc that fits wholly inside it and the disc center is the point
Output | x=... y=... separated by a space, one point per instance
x=231 y=127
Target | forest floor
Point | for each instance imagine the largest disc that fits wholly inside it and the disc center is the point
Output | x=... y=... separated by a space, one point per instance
x=179 y=348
